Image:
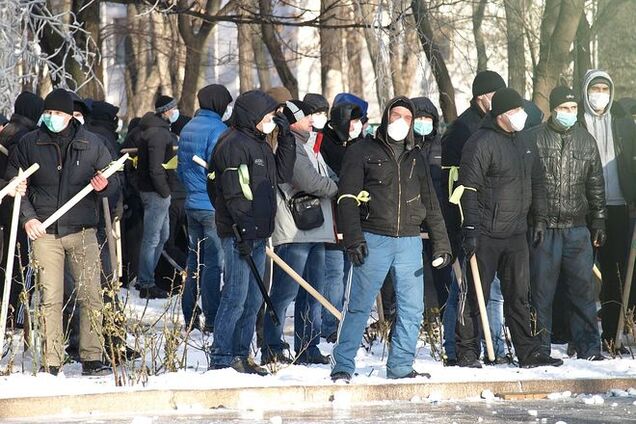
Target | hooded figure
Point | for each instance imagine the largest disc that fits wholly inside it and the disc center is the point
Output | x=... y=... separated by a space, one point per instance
x=27 y=110
x=343 y=128
x=615 y=134
x=385 y=194
x=244 y=173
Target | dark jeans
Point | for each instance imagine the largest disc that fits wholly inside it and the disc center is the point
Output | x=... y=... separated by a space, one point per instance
x=563 y=262
x=205 y=259
x=156 y=233
x=612 y=259
x=508 y=258
x=240 y=300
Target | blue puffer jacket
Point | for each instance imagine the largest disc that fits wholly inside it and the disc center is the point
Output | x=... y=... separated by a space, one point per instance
x=198 y=137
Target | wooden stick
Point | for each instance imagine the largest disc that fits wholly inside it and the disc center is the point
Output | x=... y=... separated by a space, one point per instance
x=8 y=274
x=4 y=150
x=627 y=285
x=135 y=150
x=199 y=161
x=109 y=171
x=118 y=250
x=110 y=240
x=17 y=180
x=380 y=308
x=597 y=273
x=304 y=284
x=482 y=308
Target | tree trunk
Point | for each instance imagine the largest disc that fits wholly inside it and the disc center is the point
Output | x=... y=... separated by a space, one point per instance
x=436 y=60
x=582 y=53
x=515 y=25
x=558 y=29
x=275 y=50
x=330 y=53
x=90 y=17
x=479 y=8
x=245 y=54
x=260 y=58
x=354 y=62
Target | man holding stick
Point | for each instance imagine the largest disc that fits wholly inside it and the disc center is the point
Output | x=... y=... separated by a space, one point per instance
x=501 y=179
x=69 y=158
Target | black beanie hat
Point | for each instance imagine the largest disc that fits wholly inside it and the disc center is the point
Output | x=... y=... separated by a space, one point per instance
x=504 y=100
x=60 y=100
x=316 y=102
x=560 y=95
x=214 y=97
x=164 y=104
x=487 y=82
x=295 y=110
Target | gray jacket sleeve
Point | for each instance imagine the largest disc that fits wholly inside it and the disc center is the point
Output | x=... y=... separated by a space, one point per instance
x=307 y=179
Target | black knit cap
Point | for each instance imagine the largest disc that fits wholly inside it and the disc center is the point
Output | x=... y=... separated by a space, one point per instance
x=316 y=102
x=504 y=100
x=599 y=80
x=487 y=82
x=164 y=104
x=60 y=100
x=560 y=95
x=295 y=110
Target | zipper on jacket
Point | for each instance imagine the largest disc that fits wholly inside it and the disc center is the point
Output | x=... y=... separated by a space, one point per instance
x=412 y=168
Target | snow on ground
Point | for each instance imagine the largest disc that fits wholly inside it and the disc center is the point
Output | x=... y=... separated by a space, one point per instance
x=370 y=369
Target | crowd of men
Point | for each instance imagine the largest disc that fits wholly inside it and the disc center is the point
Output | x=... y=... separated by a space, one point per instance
x=401 y=208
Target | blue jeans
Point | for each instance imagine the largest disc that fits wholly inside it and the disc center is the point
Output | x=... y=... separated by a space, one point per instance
x=205 y=261
x=563 y=262
x=402 y=256
x=156 y=233
x=337 y=267
x=240 y=301
x=308 y=260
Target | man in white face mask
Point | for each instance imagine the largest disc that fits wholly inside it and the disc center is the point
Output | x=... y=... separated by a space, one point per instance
x=385 y=195
x=500 y=182
x=615 y=135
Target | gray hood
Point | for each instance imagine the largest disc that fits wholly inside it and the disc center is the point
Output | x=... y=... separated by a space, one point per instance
x=589 y=76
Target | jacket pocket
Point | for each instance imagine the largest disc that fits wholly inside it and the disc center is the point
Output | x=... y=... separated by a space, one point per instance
x=416 y=210
x=377 y=171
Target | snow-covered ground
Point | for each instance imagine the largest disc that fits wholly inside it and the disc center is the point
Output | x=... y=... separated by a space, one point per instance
x=370 y=369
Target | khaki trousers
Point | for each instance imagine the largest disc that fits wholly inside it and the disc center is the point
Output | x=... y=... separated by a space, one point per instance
x=82 y=252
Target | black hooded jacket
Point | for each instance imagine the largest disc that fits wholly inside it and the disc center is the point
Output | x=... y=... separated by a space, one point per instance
x=155 y=149
x=506 y=172
x=431 y=143
x=27 y=111
x=401 y=193
x=336 y=134
x=243 y=144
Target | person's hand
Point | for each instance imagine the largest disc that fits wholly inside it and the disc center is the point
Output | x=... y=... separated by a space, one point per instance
x=445 y=261
x=470 y=243
x=34 y=229
x=599 y=237
x=538 y=233
x=244 y=248
x=20 y=189
x=282 y=123
x=99 y=182
x=357 y=253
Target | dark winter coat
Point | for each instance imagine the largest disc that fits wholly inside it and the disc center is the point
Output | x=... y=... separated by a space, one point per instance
x=506 y=171
x=244 y=144
x=61 y=176
x=431 y=144
x=155 y=149
x=401 y=193
x=573 y=176
x=336 y=135
x=27 y=112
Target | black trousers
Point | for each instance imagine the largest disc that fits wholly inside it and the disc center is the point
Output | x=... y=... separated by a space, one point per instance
x=612 y=260
x=509 y=259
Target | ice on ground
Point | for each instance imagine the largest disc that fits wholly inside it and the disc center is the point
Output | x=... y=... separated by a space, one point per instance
x=592 y=400
x=533 y=412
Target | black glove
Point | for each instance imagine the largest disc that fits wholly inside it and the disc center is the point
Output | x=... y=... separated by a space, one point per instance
x=244 y=248
x=469 y=243
x=283 y=124
x=599 y=237
x=357 y=253
x=446 y=260
x=538 y=232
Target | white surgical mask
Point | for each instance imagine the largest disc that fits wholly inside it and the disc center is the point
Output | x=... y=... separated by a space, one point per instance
x=55 y=123
x=398 y=129
x=599 y=101
x=355 y=132
x=320 y=120
x=518 y=120
x=268 y=127
x=227 y=113
x=174 y=116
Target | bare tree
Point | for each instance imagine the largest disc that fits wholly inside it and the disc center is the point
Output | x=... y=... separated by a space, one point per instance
x=479 y=9
x=515 y=25
x=331 y=47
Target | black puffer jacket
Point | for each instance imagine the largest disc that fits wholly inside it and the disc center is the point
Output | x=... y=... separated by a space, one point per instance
x=336 y=135
x=573 y=176
x=155 y=149
x=506 y=171
x=401 y=193
x=243 y=144
x=61 y=176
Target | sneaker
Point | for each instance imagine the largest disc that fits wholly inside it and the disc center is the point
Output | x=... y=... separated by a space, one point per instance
x=450 y=362
x=331 y=338
x=539 y=359
x=595 y=358
x=153 y=292
x=501 y=360
x=469 y=361
x=415 y=374
x=95 y=368
x=571 y=351
x=313 y=358
x=247 y=366
x=271 y=356
x=73 y=354
x=50 y=370
x=341 y=376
